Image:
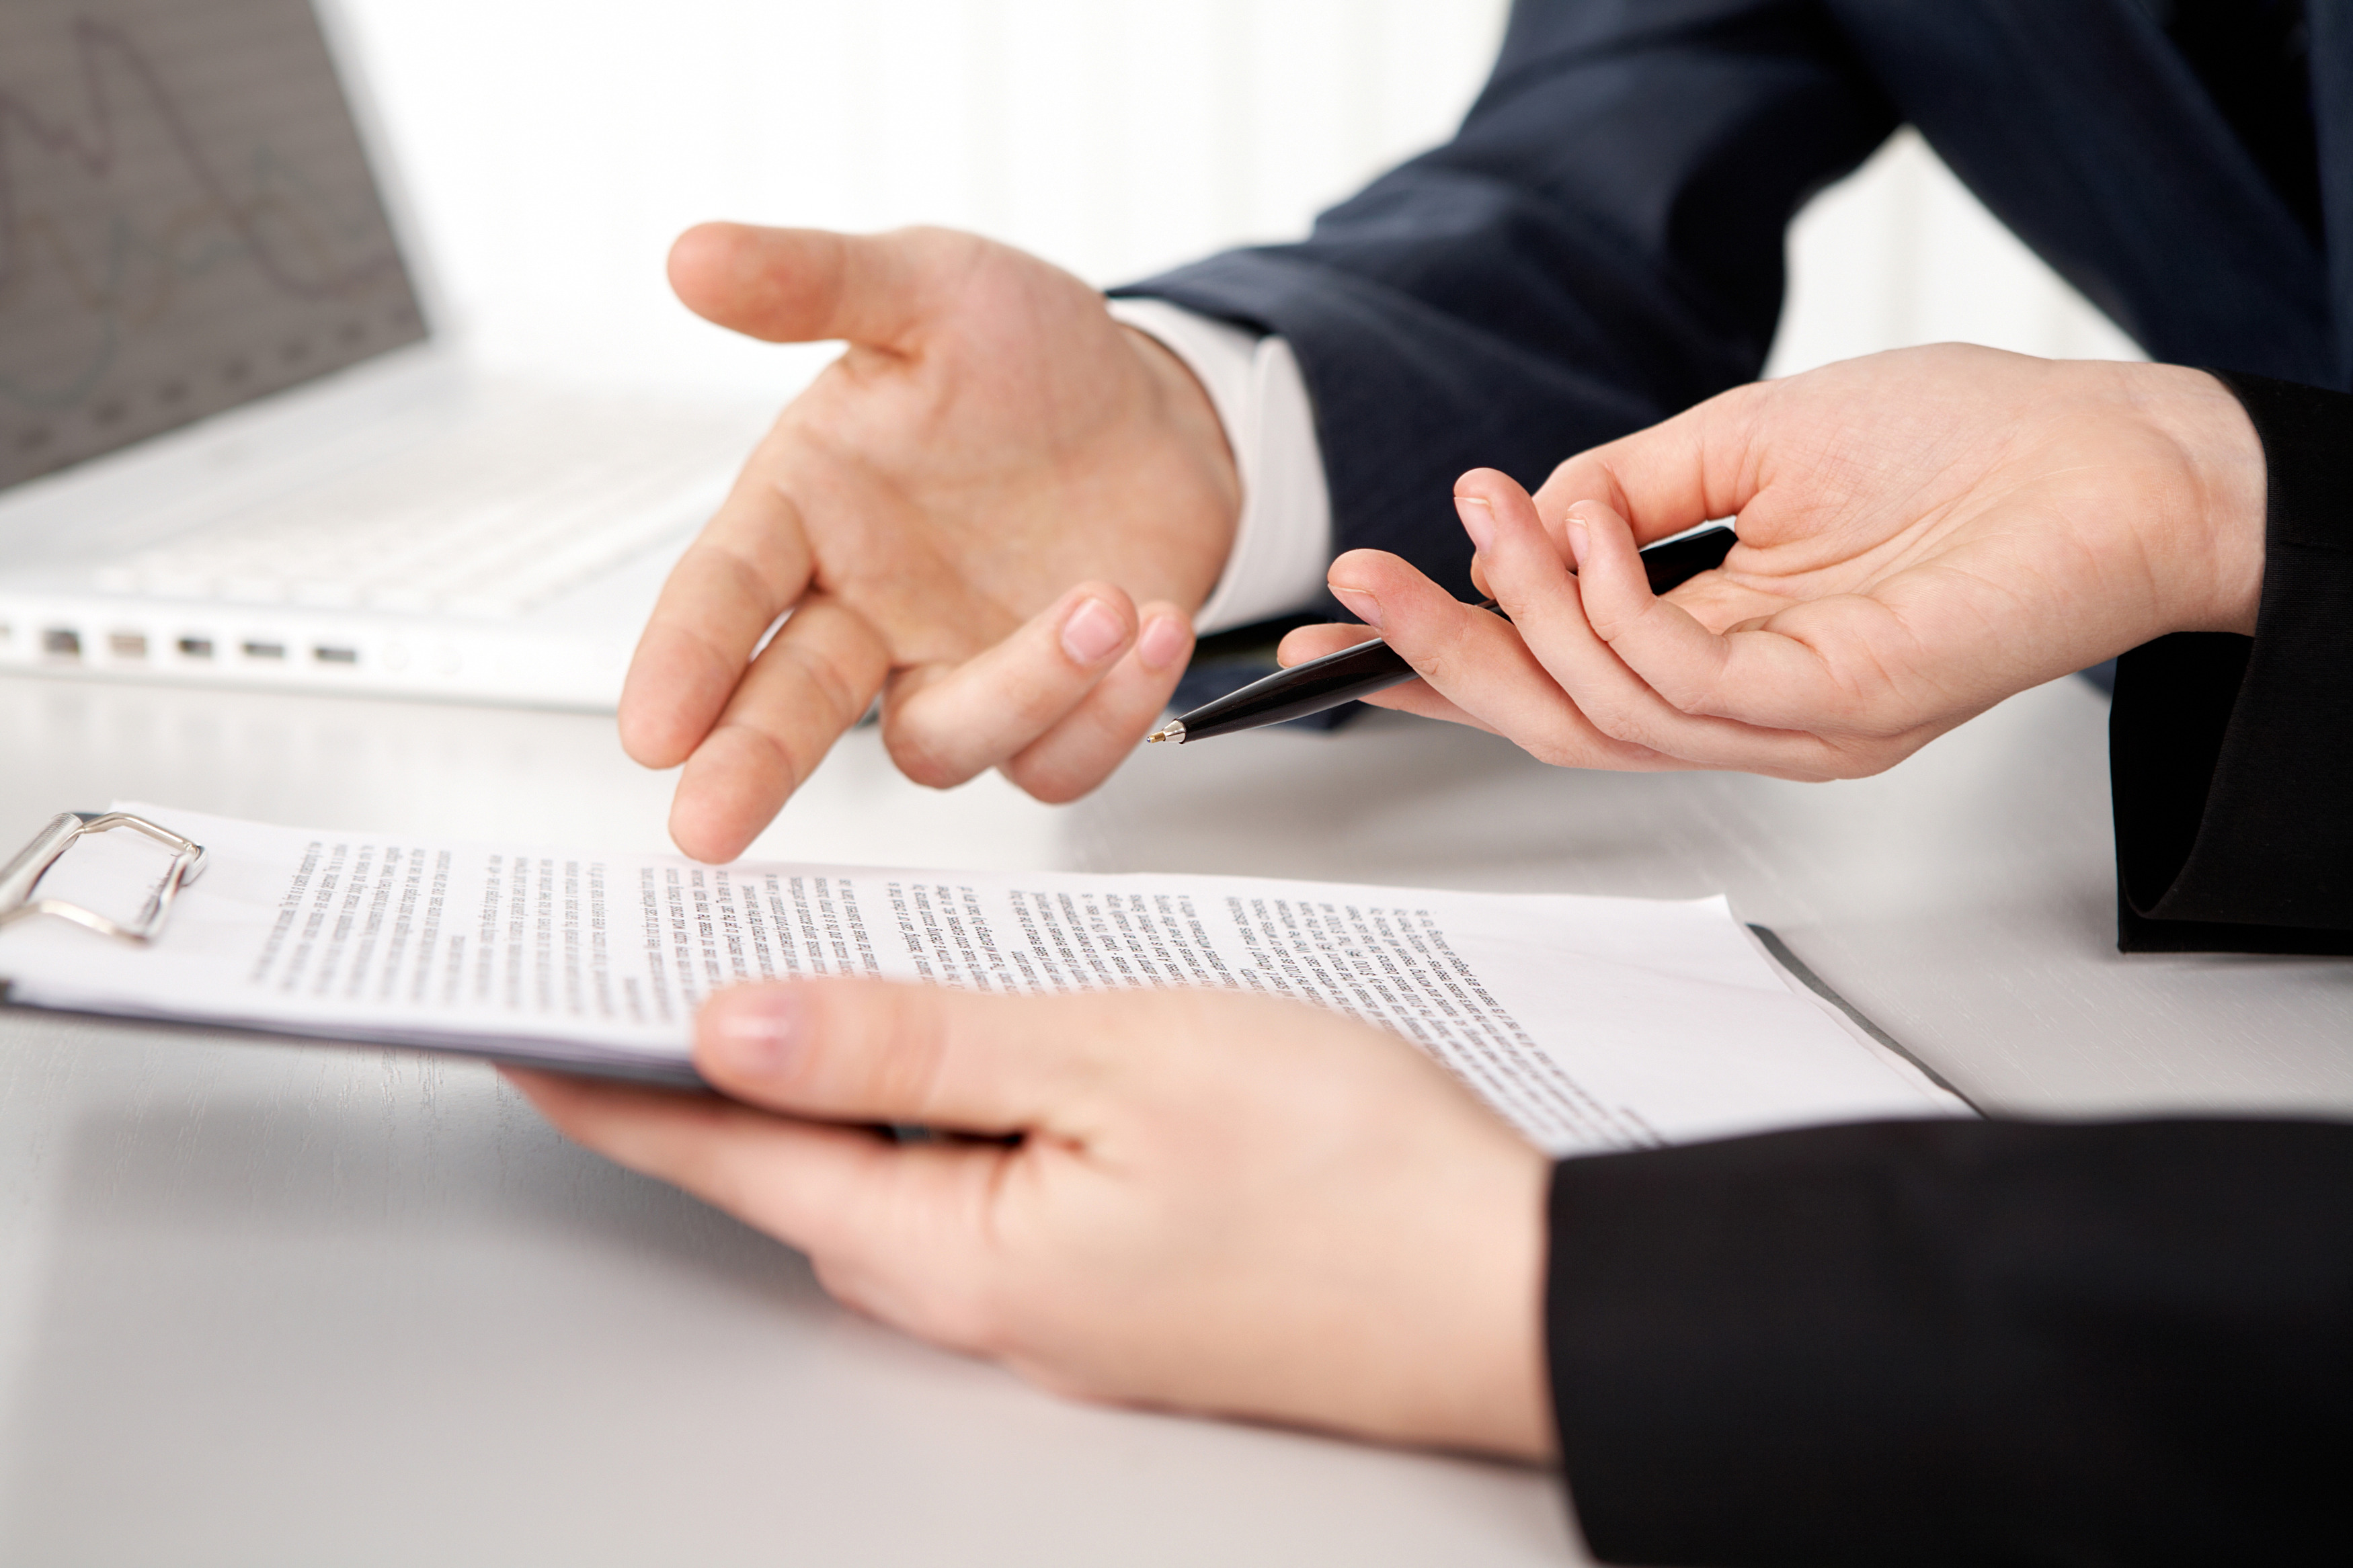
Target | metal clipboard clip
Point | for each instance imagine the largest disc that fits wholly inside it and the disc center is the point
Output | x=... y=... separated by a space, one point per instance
x=21 y=875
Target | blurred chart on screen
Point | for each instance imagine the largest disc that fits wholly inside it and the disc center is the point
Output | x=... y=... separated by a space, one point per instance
x=187 y=220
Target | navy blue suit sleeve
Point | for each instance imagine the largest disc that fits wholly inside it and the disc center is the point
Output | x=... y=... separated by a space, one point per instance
x=1948 y=1342
x=1599 y=247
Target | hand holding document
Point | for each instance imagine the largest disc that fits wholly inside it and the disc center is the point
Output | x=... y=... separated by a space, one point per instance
x=1588 y=1023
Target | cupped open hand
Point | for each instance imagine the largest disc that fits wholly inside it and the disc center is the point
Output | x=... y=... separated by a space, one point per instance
x=997 y=509
x=1922 y=534
x=1194 y=1199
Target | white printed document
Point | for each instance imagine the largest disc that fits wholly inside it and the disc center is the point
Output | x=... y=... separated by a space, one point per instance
x=1589 y=1024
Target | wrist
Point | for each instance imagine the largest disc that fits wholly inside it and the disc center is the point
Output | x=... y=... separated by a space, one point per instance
x=1186 y=415
x=1487 y=1385
x=2217 y=576
x=1519 y=1420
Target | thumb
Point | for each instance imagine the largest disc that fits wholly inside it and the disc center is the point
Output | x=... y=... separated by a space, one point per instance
x=869 y=1050
x=1698 y=465
x=1610 y=580
x=804 y=285
x=1657 y=639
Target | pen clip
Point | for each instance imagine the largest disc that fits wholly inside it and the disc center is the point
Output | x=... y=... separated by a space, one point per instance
x=19 y=878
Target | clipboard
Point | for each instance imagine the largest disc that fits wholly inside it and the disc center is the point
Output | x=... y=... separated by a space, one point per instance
x=593 y=962
x=19 y=899
x=20 y=878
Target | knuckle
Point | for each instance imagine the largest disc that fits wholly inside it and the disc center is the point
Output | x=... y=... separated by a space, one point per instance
x=1620 y=720
x=1053 y=781
x=708 y=1168
x=1553 y=750
x=1685 y=690
x=1875 y=754
x=843 y=694
x=768 y=755
x=975 y=1315
x=1442 y=658
x=1588 y=476
x=924 y=756
x=746 y=552
x=845 y=1284
x=1607 y=624
x=910 y=1061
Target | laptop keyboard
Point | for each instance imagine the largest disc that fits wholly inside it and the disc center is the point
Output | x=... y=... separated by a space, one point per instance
x=488 y=523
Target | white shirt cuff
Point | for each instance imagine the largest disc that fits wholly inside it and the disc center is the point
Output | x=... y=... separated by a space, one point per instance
x=1283 y=545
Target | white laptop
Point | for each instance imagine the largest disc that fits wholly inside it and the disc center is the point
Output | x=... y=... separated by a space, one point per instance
x=232 y=447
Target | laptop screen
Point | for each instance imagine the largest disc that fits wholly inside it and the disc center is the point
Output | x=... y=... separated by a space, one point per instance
x=187 y=221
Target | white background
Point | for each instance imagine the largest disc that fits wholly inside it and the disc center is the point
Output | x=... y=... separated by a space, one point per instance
x=552 y=148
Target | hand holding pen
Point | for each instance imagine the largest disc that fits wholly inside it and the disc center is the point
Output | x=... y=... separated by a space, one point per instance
x=1363 y=669
x=1922 y=534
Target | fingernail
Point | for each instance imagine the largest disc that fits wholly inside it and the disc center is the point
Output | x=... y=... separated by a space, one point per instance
x=1478 y=518
x=1164 y=642
x=755 y=1035
x=1093 y=632
x=1361 y=605
x=1577 y=539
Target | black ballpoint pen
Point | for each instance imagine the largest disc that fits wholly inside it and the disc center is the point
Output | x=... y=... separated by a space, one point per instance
x=1374 y=666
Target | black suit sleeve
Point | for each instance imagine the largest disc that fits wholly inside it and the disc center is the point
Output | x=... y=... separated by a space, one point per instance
x=1939 y=1343
x=2232 y=758
x=1599 y=247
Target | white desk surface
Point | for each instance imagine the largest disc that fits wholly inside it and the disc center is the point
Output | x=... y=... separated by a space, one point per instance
x=285 y=1304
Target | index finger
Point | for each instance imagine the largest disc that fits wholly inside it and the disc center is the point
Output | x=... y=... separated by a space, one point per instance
x=887 y=1226
x=808 y=686
x=749 y=565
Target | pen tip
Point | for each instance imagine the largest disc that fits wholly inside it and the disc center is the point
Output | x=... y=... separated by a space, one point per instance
x=1172 y=730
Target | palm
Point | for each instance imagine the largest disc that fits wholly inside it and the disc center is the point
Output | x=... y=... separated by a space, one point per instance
x=1936 y=554
x=952 y=488
x=961 y=515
